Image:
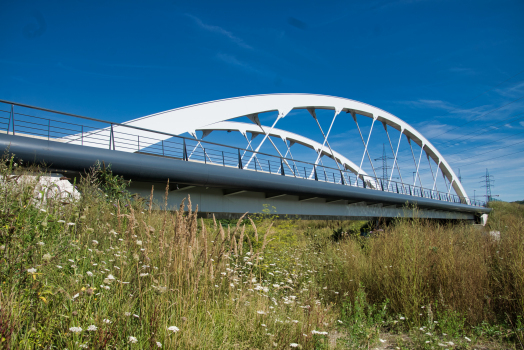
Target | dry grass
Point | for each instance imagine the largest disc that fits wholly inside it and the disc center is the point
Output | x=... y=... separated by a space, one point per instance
x=129 y=269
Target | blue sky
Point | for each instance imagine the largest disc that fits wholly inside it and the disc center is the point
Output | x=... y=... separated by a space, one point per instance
x=427 y=62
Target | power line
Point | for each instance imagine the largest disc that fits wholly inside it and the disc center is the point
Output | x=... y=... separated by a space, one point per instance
x=480 y=116
x=485 y=144
x=485 y=160
x=499 y=122
x=496 y=149
x=474 y=98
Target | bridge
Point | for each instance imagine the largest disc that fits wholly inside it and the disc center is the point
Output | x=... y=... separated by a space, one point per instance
x=285 y=172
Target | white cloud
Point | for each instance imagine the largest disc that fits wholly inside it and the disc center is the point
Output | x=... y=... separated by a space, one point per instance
x=221 y=31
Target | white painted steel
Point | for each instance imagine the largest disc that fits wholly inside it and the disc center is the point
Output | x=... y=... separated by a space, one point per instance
x=198 y=116
x=245 y=128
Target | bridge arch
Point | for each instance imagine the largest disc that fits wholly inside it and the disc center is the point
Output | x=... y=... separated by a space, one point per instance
x=205 y=115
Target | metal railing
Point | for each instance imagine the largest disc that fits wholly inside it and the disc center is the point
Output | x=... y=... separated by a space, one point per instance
x=121 y=137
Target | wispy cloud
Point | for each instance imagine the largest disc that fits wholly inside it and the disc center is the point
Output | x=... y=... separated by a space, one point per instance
x=514 y=91
x=221 y=31
x=235 y=62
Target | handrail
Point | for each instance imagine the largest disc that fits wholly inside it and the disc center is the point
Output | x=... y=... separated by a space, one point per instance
x=90 y=136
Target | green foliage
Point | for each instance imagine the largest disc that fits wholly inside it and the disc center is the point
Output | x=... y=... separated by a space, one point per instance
x=113 y=186
x=363 y=321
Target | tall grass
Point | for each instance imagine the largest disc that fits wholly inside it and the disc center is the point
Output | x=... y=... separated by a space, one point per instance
x=112 y=271
x=106 y=271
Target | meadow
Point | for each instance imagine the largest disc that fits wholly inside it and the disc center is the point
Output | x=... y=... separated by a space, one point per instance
x=110 y=270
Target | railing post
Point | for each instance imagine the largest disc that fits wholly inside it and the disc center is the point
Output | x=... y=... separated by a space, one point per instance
x=110 y=136
x=315 y=171
x=282 y=168
x=184 y=151
x=138 y=144
x=48 y=129
x=305 y=173
x=334 y=181
x=13 y=117
x=223 y=160
x=269 y=166
x=82 y=135
x=163 y=153
x=256 y=165
x=205 y=160
x=239 y=159
x=342 y=178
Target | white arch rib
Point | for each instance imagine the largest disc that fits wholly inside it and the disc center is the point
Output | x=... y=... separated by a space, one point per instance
x=290 y=136
x=199 y=116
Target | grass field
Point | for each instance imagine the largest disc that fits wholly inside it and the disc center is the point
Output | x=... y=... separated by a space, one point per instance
x=115 y=271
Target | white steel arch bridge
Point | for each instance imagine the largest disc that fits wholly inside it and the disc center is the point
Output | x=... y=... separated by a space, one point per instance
x=269 y=148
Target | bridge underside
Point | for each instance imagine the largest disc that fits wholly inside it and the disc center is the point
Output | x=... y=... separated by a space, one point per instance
x=233 y=203
x=228 y=191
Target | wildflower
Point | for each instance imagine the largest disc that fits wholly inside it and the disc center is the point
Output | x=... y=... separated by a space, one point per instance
x=467 y=338
x=231 y=285
x=138 y=242
x=136 y=257
x=402 y=318
x=47 y=256
x=70 y=260
x=158 y=344
x=294 y=345
x=59 y=266
x=89 y=273
x=339 y=321
x=132 y=340
x=61 y=221
x=276 y=286
x=216 y=286
x=127 y=313
x=74 y=266
x=451 y=343
x=71 y=224
x=41 y=243
x=31 y=270
x=92 y=328
x=135 y=315
x=144 y=274
x=260 y=312
x=318 y=332
x=76 y=296
x=94 y=241
x=173 y=329
x=75 y=329
x=2 y=247
x=265 y=289
x=381 y=340
x=263 y=325
x=254 y=280
x=105 y=320
x=110 y=277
